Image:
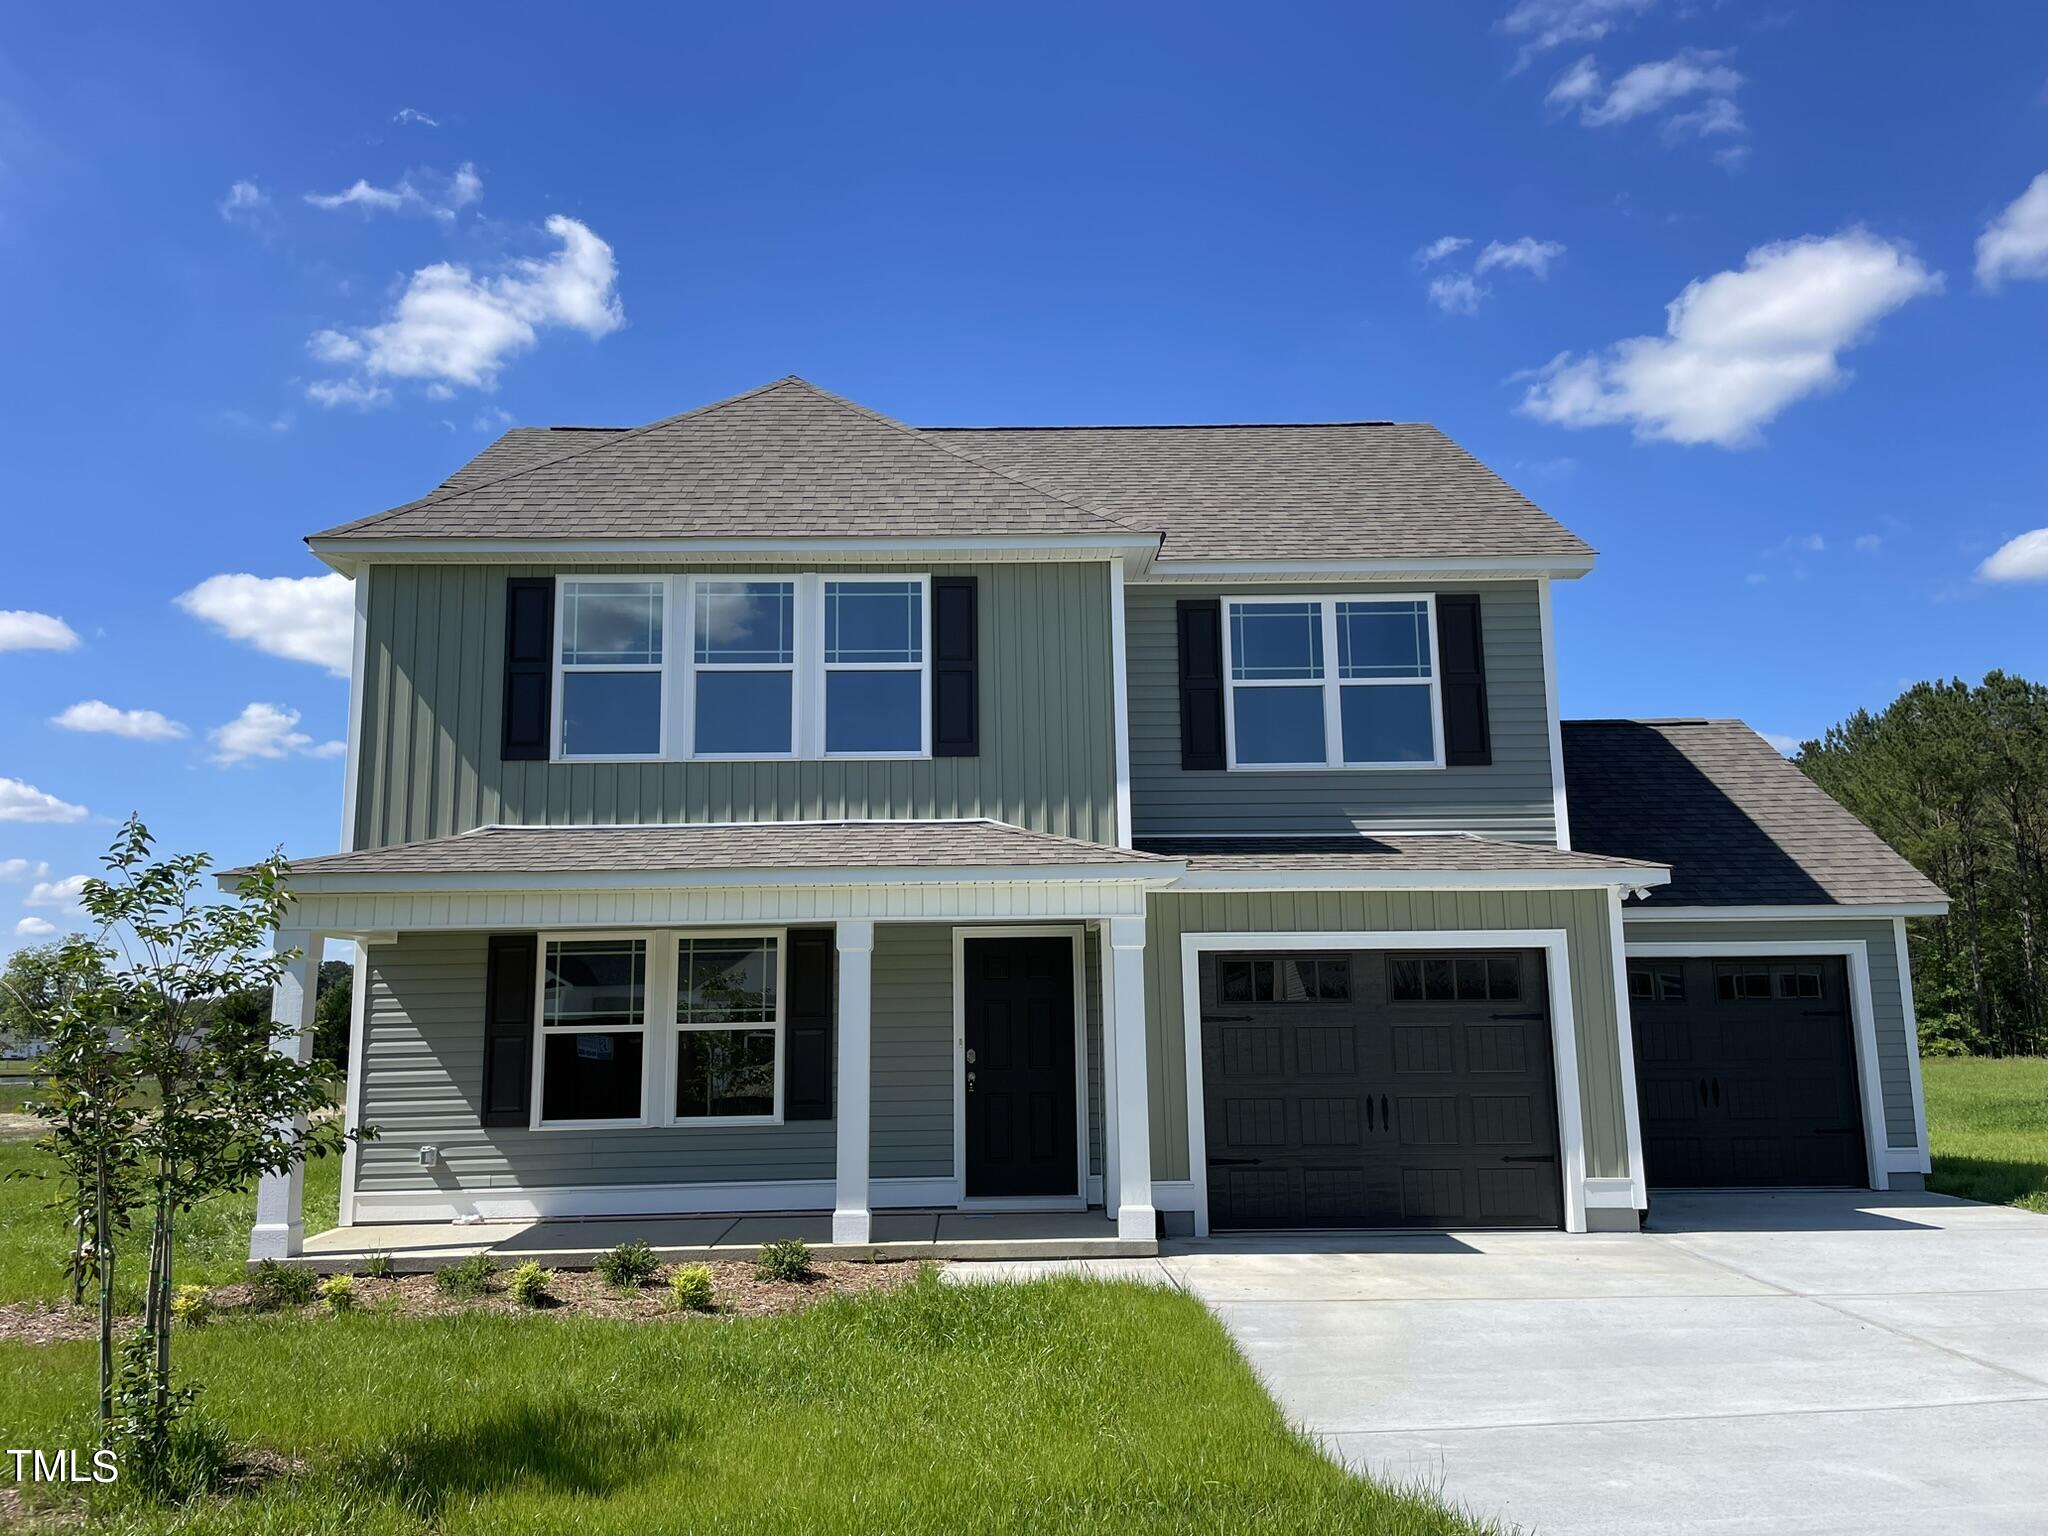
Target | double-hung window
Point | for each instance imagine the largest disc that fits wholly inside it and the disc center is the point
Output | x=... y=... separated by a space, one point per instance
x=1332 y=682
x=610 y=697
x=798 y=666
x=728 y=1054
x=593 y=1030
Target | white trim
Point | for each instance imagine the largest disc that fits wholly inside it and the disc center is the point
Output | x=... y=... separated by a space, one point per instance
x=1560 y=812
x=558 y=669
x=1625 y=1036
x=810 y=1196
x=1418 y=879
x=348 y=555
x=1556 y=946
x=1844 y=912
x=673 y=939
x=354 y=1069
x=1076 y=936
x=358 y=659
x=1862 y=1017
x=1564 y=567
x=1613 y=1195
x=279 y=1230
x=1330 y=683
x=853 y=946
x=1126 y=1014
x=651 y=991
x=1120 y=700
x=1923 y=1154
x=1178 y=1195
x=342 y=883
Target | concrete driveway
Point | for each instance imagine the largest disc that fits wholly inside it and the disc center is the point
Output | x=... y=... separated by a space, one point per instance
x=1810 y=1363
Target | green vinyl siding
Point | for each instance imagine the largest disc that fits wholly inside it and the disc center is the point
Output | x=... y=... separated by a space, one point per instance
x=1583 y=915
x=1895 y=1045
x=1511 y=797
x=433 y=689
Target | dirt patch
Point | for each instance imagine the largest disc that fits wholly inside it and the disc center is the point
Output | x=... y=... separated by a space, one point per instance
x=736 y=1291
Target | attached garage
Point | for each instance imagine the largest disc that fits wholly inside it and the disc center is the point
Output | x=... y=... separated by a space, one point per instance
x=1746 y=1071
x=1378 y=1089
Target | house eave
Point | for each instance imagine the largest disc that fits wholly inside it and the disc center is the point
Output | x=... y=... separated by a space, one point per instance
x=1166 y=570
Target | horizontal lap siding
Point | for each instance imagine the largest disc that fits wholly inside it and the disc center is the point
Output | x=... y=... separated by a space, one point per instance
x=433 y=696
x=1894 y=1047
x=1511 y=797
x=1582 y=914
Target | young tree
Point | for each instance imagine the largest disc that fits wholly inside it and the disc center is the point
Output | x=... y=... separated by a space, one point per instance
x=161 y=1098
x=29 y=984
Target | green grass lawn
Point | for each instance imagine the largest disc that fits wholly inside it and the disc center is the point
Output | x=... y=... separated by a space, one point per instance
x=1987 y=1126
x=213 y=1241
x=1062 y=1406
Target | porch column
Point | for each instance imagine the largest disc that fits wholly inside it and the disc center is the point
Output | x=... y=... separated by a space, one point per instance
x=280 y=1230
x=1135 y=1218
x=856 y=941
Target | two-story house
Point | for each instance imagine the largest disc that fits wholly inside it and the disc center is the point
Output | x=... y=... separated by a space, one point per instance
x=780 y=809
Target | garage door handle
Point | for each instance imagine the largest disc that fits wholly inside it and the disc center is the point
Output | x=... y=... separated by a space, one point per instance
x=1529 y=1157
x=1235 y=1162
x=1226 y=1018
x=1506 y=1016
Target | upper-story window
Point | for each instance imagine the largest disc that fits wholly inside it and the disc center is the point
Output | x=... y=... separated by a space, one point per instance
x=801 y=666
x=1332 y=682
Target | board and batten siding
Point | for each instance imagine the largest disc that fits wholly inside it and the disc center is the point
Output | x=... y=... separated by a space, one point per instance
x=433 y=695
x=1894 y=1048
x=1511 y=797
x=1582 y=915
x=423 y=1073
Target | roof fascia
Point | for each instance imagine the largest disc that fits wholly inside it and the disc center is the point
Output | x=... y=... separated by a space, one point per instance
x=1557 y=567
x=347 y=555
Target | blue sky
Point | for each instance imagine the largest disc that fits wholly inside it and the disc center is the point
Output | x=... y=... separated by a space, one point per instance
x=213 y=340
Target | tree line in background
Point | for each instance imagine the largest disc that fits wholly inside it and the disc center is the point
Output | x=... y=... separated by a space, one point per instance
x=1956 y=779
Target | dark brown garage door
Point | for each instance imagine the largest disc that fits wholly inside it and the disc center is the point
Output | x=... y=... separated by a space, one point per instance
x=1379 y=1090
x=1746 y=1072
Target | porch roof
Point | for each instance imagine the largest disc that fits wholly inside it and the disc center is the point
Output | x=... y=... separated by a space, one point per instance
x=1415 y=859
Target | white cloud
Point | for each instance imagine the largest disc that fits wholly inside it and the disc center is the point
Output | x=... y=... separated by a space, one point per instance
x=492 y=418
x=264 y=730
x=334 y=347
x=1786 y=745
x=1577 y=85
x=1650 y=87
x=24 y=802
x=22 y=869
x=1526 y=254
x=1547 y=24
x=2022 y=559
x=98 y=718
x=245 y=203
x=1810 y=544
x=1868 y=543
x=2015 y=244
x=301 y=618
x=23 y=630
x=1456 y=294
x=413 y=115
x=1439 y=248
x=358 y=393
x=451 y=326
x=56 y=893
x=417 y=192
x=33 y=928
x=1739 y=347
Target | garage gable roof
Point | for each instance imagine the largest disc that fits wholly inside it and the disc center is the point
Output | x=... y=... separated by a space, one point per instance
x=1738 y=824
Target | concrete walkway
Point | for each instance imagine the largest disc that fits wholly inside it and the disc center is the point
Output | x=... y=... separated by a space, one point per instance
x=1820 y=1364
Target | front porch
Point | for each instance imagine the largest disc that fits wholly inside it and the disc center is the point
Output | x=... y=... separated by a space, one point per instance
x=415 y=1247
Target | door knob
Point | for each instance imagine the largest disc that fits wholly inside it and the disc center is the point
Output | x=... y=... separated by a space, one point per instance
x=970 y=1082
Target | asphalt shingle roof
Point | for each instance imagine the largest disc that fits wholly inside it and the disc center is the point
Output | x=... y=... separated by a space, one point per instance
x=1461 y=853
x=1737 y=823
x=767 y=845
x=790 y=459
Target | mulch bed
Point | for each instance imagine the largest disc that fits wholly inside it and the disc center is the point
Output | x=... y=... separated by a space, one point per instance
x=736 y=1291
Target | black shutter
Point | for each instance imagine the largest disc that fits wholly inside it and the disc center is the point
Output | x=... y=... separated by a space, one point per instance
x=529 y=681
x=807 y=1026
x=956 y=693
x=1201 y=683
x=510 y=978
x=1461 y=673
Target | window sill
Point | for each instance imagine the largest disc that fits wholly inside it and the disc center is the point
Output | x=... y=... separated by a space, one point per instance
x=1418 y=767
x=641 y=1124
x=719 y=1122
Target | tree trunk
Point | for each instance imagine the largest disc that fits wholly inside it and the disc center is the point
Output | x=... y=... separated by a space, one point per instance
x=103 y=1266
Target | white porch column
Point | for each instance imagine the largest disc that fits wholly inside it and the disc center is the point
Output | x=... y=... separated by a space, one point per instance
x=280 y=1197
x=856 y=942
x=1132 y=1202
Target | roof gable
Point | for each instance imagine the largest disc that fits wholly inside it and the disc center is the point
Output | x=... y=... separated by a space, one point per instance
x=788 y=460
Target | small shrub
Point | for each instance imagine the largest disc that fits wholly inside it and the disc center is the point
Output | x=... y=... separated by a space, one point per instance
x=529 y=1285
x=275 y=1286
x=789 y=1259
x=690 y=1287
x=377 y=1265
x=192 y=1305
x=466 y=1277
x=628 y=1266
x=338 y=1293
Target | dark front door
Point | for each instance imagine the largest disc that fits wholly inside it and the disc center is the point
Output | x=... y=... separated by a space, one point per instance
x=1377 y=1089
x=1746 y=1072
x=1021 y=1130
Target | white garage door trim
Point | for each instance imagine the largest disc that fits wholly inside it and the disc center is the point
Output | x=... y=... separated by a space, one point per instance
x=1564 y=1050
x=1862 y=1017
